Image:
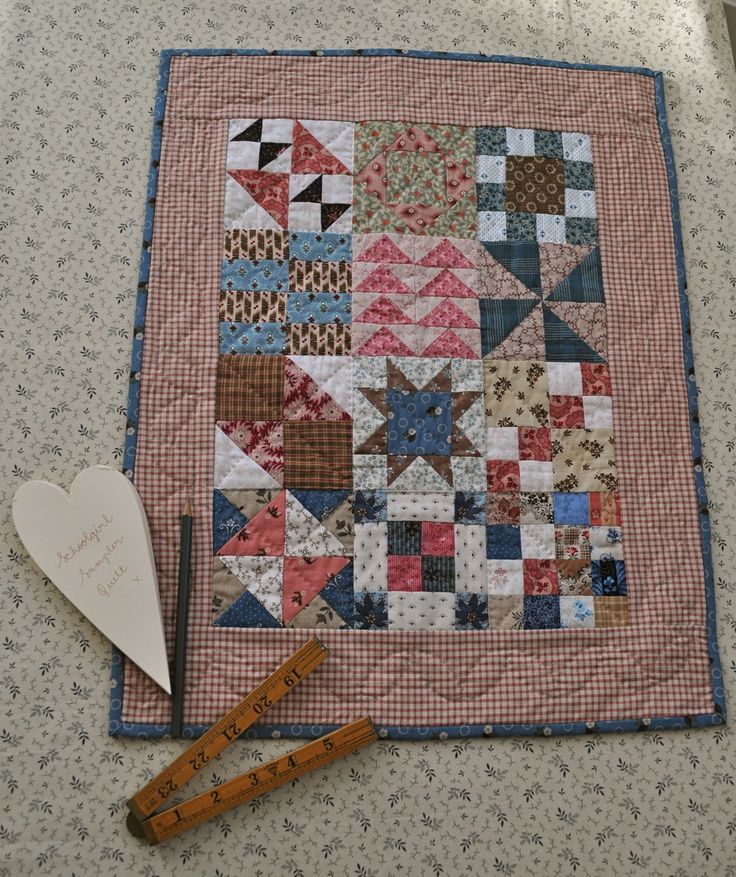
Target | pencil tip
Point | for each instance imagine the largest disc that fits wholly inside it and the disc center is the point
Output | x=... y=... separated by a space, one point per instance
x=187 y=510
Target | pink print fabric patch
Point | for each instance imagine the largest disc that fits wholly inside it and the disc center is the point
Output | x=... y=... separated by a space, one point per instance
x=428 y=392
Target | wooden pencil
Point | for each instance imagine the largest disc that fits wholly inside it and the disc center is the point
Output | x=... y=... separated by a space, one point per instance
x=182 y=620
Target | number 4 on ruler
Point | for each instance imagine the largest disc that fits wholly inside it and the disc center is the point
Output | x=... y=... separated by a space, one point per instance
x=144 y=821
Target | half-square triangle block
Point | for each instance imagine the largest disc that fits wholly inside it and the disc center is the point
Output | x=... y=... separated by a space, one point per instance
x=563 y=344
x=520 y=259
x=269 y=190
x=264 y=534
x=246 y=611
x=309 y=156
x=584 y=283
x=384 y=250
x=304 y=578
x=499 y=317
x=339 y=593
x=445 y=255
x=304 y=399
x=252 y=132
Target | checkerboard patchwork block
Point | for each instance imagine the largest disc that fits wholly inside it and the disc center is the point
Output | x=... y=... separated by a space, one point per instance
x=535 y=186
x=286 y=292
x=567 y=565
x=551 y=478
x=420 y=561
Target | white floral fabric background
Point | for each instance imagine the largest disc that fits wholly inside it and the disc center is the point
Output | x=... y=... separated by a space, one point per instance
x=78 y=86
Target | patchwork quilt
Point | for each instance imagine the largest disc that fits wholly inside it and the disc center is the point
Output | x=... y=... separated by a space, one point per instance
x=412 y=335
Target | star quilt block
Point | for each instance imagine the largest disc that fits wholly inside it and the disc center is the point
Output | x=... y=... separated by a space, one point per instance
x=419 y=424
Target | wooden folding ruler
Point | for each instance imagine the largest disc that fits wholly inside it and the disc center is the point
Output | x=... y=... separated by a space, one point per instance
x=143 y=821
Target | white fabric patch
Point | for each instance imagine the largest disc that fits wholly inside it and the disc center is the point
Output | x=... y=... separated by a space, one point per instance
x=505 y=577
x=606 y=542
x=370 y=551
x=577 y=612
x=421 y=507
x=598 y=412
x=369 y=471
x=536 y=476
x=538 y=541
x=243 y=155
x=421 y=610
x=470 y=558
x=580 y=202
x=502 y=443
x=469 y=473
x=277 y=130
x=491 y=169
x=550 y=228
x=564 y=379
x=491 y=225
x=369 y=371
x=467 y=374
x=337 y=189
x=576 y=147
x=305 y=217
x=520 y=141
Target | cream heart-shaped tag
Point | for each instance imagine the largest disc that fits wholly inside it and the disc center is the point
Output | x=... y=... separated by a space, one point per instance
x=93 y=543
